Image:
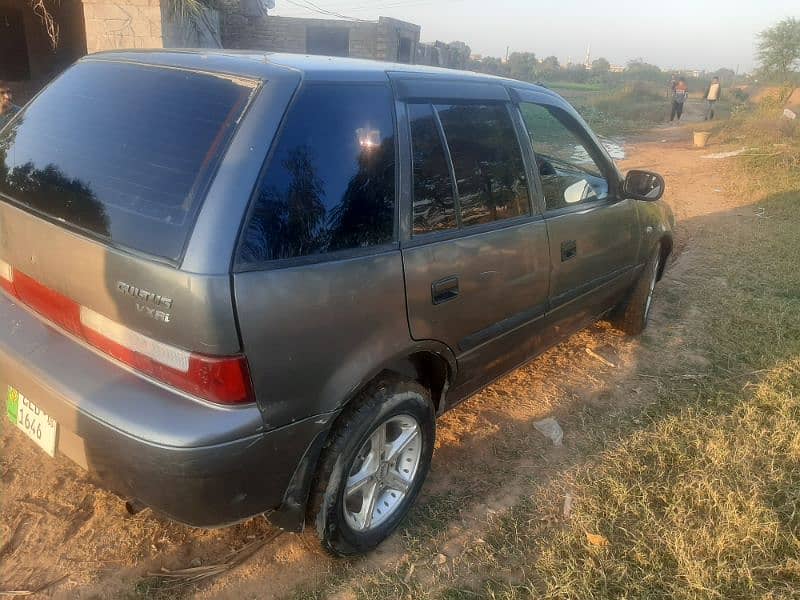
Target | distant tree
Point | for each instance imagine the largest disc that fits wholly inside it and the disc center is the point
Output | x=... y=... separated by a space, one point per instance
x=459 y=55
x=289 y=220
x=600 y=66
x=779 y=48
x=577 y=73
x=549 y=65
x=522 y=65
x=364 y=216
x=492 y=66
x=643 y=70
x=725 y=75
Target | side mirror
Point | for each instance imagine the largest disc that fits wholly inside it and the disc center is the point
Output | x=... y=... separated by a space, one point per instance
x=644 y=185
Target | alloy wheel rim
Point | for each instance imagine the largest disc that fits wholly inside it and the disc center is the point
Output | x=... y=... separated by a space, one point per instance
x=383 y=472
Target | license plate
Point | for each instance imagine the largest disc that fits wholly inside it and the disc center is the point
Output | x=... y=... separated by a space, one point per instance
x=32 y=420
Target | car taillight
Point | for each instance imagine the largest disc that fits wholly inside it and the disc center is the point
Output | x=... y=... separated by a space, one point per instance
x=223 y=380
x=50 y=304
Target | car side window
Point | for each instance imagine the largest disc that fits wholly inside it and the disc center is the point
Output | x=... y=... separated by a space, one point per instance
x=489 y=171
x=434 y=205
x=330 y=183
x=567 y=170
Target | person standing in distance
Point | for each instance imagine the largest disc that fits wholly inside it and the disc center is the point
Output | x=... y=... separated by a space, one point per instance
x=713 y=93
x=7 y=107
x=679 y=97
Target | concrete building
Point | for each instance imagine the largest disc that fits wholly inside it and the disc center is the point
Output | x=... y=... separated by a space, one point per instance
x=455 y=55
x=384 y=39
x=28 y=58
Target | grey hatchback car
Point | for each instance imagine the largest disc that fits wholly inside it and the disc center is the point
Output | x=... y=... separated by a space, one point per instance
x=238 y=283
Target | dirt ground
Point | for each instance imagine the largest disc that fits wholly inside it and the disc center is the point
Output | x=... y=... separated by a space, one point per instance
x=54 y=522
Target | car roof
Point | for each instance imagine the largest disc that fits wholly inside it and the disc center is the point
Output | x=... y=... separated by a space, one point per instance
x=248 y=63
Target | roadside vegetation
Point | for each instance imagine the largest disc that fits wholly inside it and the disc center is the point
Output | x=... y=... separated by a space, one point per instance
x=693 y=492
x=632 y=107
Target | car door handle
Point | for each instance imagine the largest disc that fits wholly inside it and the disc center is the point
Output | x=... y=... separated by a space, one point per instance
x=444 y=290
x=569 y=249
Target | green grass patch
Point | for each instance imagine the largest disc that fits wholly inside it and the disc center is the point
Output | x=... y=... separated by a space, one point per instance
x=634 y=107
x=574 y=86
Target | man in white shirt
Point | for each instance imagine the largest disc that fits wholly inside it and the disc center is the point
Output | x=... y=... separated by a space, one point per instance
x=713 y=93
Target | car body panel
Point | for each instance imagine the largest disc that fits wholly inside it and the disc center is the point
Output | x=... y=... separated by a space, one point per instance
x=604 y=237
x=42 y=360
x=95 y=275
x=503 y=280
x=315 y=333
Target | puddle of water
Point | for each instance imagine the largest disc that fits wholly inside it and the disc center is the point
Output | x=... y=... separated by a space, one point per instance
x=614 y=145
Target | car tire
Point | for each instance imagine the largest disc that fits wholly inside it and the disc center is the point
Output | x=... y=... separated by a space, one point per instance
x=633 y=314
x=360 y=494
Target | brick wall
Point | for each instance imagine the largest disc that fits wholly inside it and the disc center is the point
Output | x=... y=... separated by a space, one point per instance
x=141 y=24
x=389 y=33
x=122 y=24
x=376 y=40
x=286 y=34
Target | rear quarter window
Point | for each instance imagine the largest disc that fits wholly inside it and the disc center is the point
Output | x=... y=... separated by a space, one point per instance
x=330 y=182
x=123 y=152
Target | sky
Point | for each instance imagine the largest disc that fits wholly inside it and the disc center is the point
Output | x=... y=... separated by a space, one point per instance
x=681 y=34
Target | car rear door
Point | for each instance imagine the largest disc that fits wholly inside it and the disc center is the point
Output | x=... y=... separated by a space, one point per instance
x=593 y=230
x=475 y=251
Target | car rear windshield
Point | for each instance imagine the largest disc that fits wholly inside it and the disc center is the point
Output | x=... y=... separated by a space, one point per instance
x=122 y=152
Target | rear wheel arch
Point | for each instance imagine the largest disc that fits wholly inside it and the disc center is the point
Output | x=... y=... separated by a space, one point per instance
x=432 y=365
x=429 y=369
x=428 y=362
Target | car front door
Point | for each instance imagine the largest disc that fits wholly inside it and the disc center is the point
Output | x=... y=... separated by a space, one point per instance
x=593 y=230
x=475 y=254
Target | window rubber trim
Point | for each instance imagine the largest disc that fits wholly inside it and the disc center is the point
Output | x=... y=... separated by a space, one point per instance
x=434 y=237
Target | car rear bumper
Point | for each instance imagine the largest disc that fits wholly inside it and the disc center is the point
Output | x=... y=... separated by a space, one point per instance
x=197 y=463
